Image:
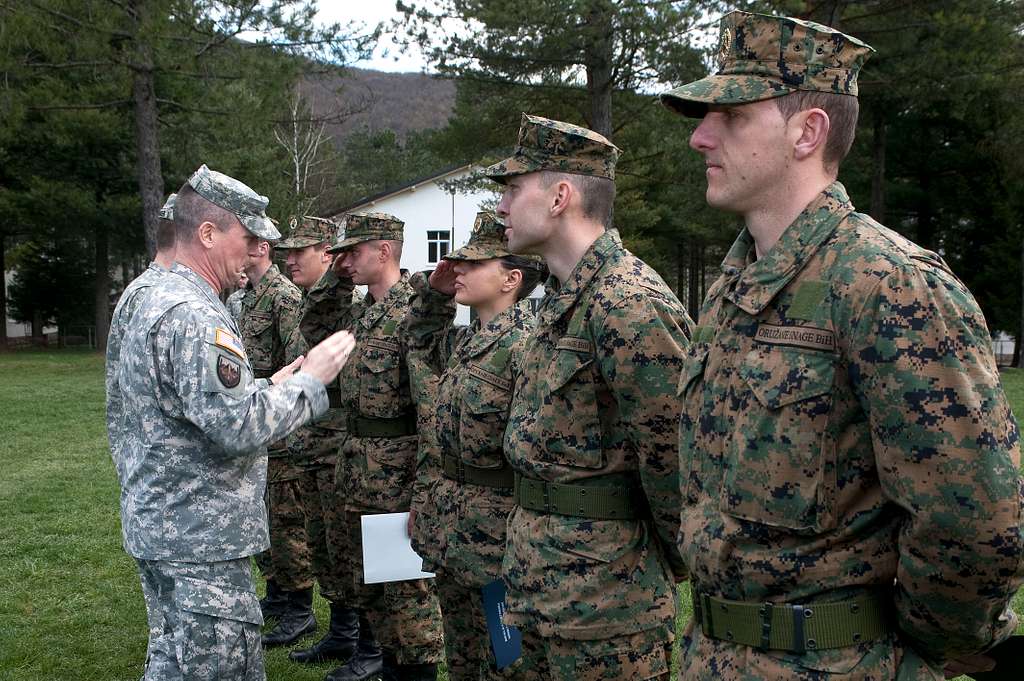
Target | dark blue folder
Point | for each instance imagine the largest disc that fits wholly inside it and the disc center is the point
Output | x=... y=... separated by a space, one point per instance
x=506 y=641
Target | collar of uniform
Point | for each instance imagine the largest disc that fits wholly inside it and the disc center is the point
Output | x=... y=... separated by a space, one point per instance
x=155 y=267
x=375 y=310
x=760 y=281
x=483 y=338
x=558 y=303
x=268 y=278
x=197 y=281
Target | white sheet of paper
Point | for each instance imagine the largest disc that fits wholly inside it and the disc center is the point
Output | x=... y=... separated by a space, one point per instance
x=387 y=550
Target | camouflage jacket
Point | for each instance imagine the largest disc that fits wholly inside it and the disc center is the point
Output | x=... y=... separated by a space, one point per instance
x=595 y=404
x=377 y=472
x=120 y=321
x=234 y=304
x=474 y=392
x=195 y=426
x=844 y=428
x=268 y=320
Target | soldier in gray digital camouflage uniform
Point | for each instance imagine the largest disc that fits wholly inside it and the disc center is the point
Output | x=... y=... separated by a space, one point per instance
x=590 y=562
x=120 y=321
x=193 y=437
x=849 y=463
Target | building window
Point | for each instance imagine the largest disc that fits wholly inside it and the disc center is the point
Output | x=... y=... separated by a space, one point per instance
x=438 y=244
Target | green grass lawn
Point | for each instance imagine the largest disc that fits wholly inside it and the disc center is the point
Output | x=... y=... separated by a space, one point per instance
x=70 y=604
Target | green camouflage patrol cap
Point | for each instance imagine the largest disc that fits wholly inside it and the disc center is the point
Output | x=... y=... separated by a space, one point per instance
x=167 y=210
x=487 y=241
x=308 y=232
x=762 y=56
x=358 y=227
x=545 y=144
x=234 y=196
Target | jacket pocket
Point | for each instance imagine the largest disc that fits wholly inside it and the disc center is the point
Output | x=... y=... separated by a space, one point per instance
x=380 y=380
x=482 y=418
x=780 y=465
x=690 y=401
x=573 y=433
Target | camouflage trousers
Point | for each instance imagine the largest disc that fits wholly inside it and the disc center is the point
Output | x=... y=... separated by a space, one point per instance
x=703 y=659
x=287 y=561
x=466 y=639
x=644 y=655
x=328 y=535
x=204 y=621
x=405 y=616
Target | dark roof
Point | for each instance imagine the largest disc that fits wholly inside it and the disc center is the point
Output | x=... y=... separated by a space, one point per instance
x=396 y=189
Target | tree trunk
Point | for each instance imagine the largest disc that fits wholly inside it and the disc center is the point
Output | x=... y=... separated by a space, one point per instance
x=101 y=289
x=3 y=291
x=598 y=54
x=878 y=176
x=1020 y=334
x=147 y=145
x=680 y=270
x=693 y=286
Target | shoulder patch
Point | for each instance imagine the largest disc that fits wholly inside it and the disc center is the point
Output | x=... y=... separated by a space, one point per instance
x=229 y=372
x=225 y=339
x=575 y=344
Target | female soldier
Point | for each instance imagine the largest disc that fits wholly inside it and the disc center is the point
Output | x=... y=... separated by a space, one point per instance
x=464 y=485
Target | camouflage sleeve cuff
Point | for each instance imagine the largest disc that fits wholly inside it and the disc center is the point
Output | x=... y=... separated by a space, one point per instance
x=314 y=391
x=263 y=383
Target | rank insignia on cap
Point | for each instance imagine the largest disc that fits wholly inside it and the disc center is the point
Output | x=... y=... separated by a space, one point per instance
x=225 y=339
x=228 y=371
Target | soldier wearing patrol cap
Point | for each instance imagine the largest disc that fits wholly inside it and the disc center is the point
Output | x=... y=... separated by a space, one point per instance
x=590 y=562
x=464 y=488
x=378 y=457
x=849 y=462
x=194 y=429
x=315 y=447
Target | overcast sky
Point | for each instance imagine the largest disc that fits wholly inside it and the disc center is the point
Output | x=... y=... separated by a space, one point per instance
x=387 y=56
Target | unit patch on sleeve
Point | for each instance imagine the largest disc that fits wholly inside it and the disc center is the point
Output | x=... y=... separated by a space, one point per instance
x=229 y=372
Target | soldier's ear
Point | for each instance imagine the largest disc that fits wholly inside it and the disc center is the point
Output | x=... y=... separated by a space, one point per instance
x=562 y=192
x=809 y=131
x=513 y=279
x=206 y=230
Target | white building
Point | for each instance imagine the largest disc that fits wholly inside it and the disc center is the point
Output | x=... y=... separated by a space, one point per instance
x=438 y=219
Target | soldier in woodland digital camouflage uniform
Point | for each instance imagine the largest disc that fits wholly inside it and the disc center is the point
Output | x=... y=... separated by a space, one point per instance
x=193 y=437
x=268 y=323
x=849 y=462
x=315 y=447
x=465 y=490
x=120 y=321
x=378 y=458
x=591 y=562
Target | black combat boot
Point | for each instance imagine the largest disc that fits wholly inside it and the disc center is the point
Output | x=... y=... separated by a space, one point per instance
x=368 y=661
x=274 y=602
x=416 y=672
x=339 y=643
x=296 y=621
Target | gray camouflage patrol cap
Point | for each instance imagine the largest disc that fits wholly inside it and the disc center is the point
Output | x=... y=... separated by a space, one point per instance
x=358 y=227
x=487 y=241
x=762 y=56
x=167 y=210
x=234 y=196
x=308 y=231
x=545 y=144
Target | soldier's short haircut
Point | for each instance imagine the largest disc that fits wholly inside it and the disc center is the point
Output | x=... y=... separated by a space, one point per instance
x=532 y=274
x=396 y=250
x=192 y=210
x=166 y=234
x=842 y=113
x=597 y=193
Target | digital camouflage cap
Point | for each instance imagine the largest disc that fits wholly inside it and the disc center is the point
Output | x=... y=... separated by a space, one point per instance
x=487 y=241
x=236 y=197
x=762 y=57
x=358 y=227
x=545 y=144
x=167 y=210
x=308 y=231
